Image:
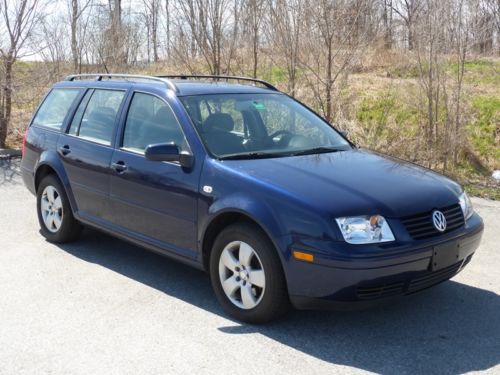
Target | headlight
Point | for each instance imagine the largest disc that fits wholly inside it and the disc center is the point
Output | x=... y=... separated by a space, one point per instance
x=466 y=205
x=365 y=229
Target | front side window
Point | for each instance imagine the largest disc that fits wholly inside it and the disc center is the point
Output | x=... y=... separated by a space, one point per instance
x=99 y=116
x=260 y=125
x=55 y=108
x=149 y=121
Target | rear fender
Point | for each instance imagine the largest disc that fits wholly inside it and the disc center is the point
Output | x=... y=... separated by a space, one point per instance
x=51 y=159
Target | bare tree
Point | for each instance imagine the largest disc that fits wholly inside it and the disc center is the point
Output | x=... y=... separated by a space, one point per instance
x=387 y=17
x=253 y=18
x=336 y=29
x=286 y=27
x=408 y=11
x=19 y=20
x=431 y=76
x=76 y=10
x=115 y=45
x=460 y=33
x=207 y=21
x=152 y=17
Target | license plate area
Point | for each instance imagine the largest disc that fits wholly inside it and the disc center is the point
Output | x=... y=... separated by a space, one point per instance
x=445 y=255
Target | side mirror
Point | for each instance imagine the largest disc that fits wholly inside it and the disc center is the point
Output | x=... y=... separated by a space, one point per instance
x=169 y=152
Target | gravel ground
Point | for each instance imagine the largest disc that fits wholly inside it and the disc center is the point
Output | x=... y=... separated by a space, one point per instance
x=103 y=306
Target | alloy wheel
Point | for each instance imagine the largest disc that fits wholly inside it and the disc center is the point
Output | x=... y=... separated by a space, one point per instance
x=51 y=209
x=242 y=275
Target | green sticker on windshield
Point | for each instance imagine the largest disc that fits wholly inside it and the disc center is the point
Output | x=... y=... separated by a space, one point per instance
x=259 y=106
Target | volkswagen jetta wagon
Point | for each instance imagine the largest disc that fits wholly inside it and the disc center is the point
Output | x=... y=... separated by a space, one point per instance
x=232 y=176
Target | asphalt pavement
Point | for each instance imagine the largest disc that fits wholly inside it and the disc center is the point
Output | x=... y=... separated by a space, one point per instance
x=103 y=306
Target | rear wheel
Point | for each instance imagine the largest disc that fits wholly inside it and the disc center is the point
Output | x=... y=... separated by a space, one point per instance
x=246 y=275
x=57 y=223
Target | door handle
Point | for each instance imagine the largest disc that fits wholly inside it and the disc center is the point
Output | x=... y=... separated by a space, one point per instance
x=119 y=166
x=65 y=150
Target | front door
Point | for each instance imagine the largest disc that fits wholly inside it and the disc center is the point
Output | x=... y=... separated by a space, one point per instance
x=156 y=201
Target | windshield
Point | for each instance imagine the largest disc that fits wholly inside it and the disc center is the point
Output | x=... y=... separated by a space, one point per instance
x=240 y=126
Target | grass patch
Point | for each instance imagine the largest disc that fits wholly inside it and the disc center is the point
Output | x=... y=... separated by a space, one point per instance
x=404 y=72
x=386 y=114
x=483 y=128
x=479 y=71
x=479 y=190
x=277 y=74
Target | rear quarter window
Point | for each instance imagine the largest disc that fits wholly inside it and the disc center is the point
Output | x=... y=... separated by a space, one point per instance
x=55 y=107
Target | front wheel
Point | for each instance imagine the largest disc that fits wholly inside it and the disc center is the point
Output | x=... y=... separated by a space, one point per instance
x=247 y=276
x=57 y=223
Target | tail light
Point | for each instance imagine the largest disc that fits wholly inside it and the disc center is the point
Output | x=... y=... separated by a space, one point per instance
x=24 y=142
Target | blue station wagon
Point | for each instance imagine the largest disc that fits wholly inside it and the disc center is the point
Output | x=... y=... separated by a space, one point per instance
x=232 y=176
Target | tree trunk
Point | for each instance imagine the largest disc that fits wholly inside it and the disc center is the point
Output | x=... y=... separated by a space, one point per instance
x=387 y=18
x=74 y=43
x=255 y=50
x=155 y=40
x=7 y=109
x=411 y=43
x=167 y=15
x=329 y=82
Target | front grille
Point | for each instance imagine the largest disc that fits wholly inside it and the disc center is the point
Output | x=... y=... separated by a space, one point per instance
x=420 y=226
x=428 y=279
x=436 y=277
x=380 y=291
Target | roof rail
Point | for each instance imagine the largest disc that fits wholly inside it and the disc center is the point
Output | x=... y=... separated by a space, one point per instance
x=99 y=77
x=219 y=77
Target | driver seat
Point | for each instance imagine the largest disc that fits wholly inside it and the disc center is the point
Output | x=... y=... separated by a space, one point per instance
x=218 y=134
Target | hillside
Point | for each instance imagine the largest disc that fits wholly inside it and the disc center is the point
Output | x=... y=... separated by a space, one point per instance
x=379 y=105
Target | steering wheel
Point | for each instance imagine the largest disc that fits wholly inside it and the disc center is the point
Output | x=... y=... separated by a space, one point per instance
x=280 y=132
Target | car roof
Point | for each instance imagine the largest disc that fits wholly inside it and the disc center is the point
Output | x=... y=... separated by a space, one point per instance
x=183 y=87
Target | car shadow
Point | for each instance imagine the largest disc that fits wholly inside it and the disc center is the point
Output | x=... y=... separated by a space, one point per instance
x=450 y=329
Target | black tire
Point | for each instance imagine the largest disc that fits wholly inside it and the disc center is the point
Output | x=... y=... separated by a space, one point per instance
x=274 y=301
x=70 y=228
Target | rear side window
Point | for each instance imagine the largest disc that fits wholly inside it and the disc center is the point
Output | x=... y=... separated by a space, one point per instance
x=150 y=120
x=99 y=115
x=55 y=107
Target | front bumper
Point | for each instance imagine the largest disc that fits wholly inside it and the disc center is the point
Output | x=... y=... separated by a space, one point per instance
x=360 y=283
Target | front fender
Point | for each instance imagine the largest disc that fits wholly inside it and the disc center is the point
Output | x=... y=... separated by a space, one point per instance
x=256 y=210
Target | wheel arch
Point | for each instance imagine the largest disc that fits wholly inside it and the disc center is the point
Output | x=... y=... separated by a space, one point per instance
x=50 y=164
x=230 y=216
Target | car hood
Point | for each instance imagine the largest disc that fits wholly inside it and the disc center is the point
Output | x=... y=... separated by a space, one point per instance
x=353 y=182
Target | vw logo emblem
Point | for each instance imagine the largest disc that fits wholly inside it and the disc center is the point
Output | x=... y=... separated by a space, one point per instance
x=439 y=221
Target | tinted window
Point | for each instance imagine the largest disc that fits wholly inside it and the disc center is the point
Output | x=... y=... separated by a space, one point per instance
x=99 y=117
x=55 y=108
x=150 y=120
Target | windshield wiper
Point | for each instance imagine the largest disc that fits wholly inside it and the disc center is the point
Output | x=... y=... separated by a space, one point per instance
x=251 y=155
x=317 y=150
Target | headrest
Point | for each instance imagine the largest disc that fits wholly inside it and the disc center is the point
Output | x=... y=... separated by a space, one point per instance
x=102 y=114
x=219 y=121
x=163 y=116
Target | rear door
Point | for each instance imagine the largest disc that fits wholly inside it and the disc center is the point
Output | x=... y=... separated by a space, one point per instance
x=86 y=151
x=156 y=201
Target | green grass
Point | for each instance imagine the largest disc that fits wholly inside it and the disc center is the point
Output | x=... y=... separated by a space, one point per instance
x=277 y=74
x=479 y=71
x=478 y=190
x=483 y=127
x=476 y=65
x=387 y=114
x=405 y=72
